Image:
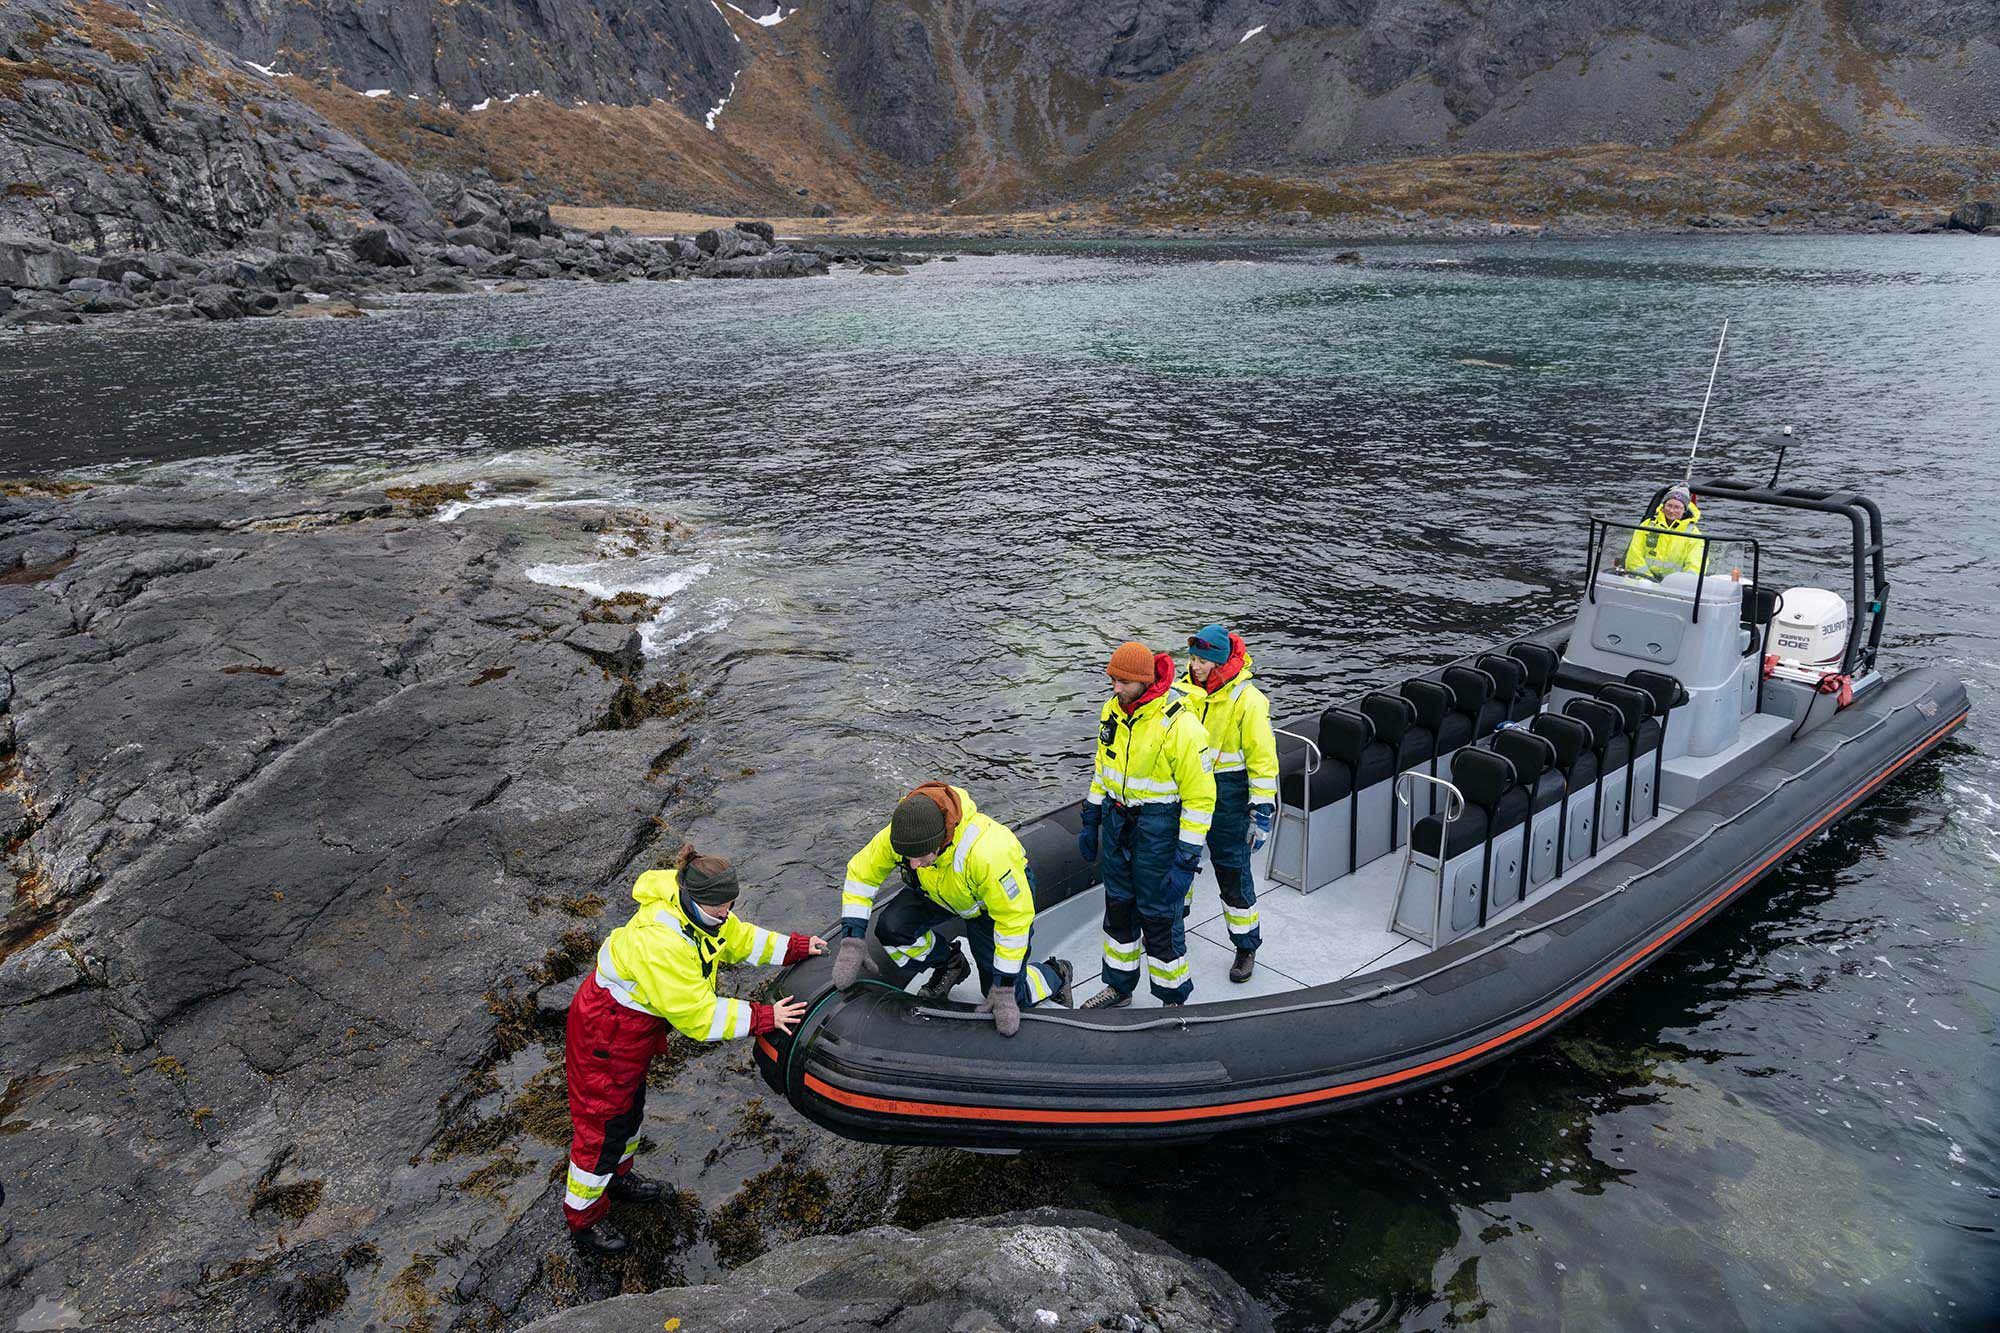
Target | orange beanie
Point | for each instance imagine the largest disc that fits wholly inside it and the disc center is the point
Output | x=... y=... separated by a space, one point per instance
x=1131 y=661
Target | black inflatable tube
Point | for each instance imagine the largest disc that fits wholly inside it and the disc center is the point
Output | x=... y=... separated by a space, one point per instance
x=872 y=1065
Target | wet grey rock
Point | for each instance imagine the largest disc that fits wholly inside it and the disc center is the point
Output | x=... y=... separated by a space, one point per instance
x=1009 y=1273
x=730 y=243
x=612 y=646
x=308 y=773
x=384 y=247
x=782 y=264
x=1974 y=215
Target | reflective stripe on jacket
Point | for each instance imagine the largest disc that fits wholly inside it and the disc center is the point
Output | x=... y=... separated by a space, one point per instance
x=1155 y=756
x=983 y=869
x=1662 y=547
x=662 y=964
x=1238 y=723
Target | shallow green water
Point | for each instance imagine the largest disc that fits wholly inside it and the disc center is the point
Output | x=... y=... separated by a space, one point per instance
x=927 y=506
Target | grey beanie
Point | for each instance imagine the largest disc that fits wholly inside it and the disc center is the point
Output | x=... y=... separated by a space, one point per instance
x=1681 y=493
x=917 y=827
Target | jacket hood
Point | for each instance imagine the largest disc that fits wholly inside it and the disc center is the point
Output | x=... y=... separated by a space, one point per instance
x=1163 y=680
x=1227 y=673
x=658 y=888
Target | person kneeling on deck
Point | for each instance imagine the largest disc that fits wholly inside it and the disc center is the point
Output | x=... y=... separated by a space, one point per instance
x=1243 y=752
x=1152 y=800
x=1666 y=544
x=958 y=865
x=656 y=970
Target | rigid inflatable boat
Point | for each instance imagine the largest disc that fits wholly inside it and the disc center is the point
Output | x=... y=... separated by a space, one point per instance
x=1462 y=863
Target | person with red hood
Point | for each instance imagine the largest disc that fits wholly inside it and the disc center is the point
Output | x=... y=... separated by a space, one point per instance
x=1152 y=800
x=1244 y=754
x=656 y=973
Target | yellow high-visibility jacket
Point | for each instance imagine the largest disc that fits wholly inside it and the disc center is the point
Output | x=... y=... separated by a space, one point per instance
x=1156 y=756
x=1238 y=723
x=662 y=964
x=1655 y=554
x=983 y=869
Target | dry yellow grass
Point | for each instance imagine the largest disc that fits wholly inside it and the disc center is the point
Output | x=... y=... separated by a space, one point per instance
x=649 y=222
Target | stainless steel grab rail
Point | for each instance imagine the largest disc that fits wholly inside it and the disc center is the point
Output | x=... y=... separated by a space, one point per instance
x=1314 y=762
x=1454 y=806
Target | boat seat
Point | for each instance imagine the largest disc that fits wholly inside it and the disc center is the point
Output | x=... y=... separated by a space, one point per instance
x=1346 y=763
x=1509 y=686
x=1575 y=747
x=1495 y=801
x=1472 y=692
x=1539 y=663
x=1534 y=761
x=1613 y=750
x=1449 y=729
x=1413 y=746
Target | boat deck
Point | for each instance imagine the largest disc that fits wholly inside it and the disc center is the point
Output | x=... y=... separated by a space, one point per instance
x=1309 y=939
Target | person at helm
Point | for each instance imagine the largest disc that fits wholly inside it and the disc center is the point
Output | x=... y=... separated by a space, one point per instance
x=958 y=867
x=1668 y=543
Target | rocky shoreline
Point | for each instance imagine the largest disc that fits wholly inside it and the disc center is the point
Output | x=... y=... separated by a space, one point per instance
x=314 y=807
x=307 y=269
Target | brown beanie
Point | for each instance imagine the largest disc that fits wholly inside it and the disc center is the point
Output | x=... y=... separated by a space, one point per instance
x=1131 y=661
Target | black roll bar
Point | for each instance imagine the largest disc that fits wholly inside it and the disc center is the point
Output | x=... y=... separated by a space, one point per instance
x=1870 y=563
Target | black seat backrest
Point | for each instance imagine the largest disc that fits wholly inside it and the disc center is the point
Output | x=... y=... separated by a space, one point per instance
x=1607 y=731
x=1569 y=737
x=1472 y=694
x=1531 y=755
x=1539 y=662
x=1344 y=737
x=1667 y=692
x=1510 y=686
x=1483 y=777
x=1395 y=720
x=1635 y=706
x=1435 y=714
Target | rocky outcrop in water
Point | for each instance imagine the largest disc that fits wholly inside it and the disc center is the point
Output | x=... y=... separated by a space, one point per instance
x=1029 y=1272
x=297 y=272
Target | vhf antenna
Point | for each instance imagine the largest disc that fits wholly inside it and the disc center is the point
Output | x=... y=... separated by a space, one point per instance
x=1688 y=476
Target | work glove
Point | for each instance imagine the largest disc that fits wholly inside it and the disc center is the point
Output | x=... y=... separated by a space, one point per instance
x=1005 y=1008
x=1179 y=881
x=1259 y=831
x=1086 y=841
x=847 y=960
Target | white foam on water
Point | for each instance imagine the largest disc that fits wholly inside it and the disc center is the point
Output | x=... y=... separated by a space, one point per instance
x=720 y=613
x=608 y=578
x=451 y=511
x=1252 y=33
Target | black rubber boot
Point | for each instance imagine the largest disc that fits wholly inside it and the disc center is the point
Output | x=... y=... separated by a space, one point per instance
x=1061 y=995
x=633 y=1188
x=603 y=1240
x=1246 y=960
x=1107 y=999
x=954 y=970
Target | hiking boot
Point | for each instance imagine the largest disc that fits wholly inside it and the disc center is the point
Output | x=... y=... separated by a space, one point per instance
x=948 y=974
x=633 y=1188
x=1061 y=995
x=602 y=1240
x=1107 y=999
x=1246 y=959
